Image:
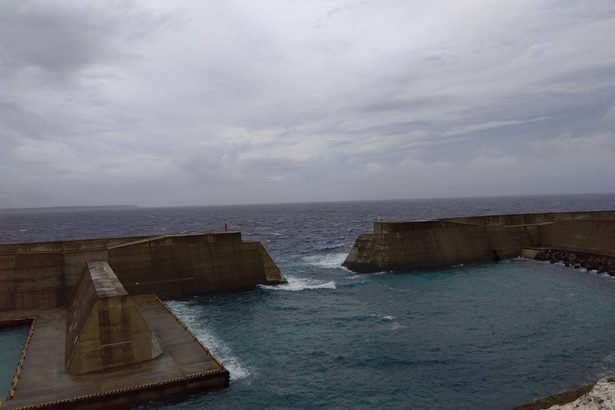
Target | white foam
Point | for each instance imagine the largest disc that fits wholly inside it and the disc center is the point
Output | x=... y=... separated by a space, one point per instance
x=384 y=317
x=296 y=284
x=331 y=247
x=186 y=314
x=382 y=272
x=329 y=260
x=396 y=326
x=389 y=319
x=394 y=323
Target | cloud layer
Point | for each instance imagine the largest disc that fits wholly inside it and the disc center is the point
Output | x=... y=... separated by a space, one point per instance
x=178 y=103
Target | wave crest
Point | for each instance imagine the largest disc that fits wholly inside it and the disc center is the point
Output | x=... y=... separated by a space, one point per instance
x=297 y=284
x=192 y=320
x=329 y=260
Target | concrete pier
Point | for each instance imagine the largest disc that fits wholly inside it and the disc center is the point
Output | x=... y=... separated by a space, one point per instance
x=100 y=336
x=184 y=366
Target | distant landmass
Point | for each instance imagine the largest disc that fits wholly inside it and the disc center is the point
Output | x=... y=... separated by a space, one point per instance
x=67 y=208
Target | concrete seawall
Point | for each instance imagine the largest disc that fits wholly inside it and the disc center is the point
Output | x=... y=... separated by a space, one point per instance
x=411 y=245
x=44 y=275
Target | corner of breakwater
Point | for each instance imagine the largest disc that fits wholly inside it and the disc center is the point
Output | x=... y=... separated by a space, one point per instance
x=120 y=344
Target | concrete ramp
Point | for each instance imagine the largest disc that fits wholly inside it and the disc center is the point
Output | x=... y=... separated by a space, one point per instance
x=104 y=327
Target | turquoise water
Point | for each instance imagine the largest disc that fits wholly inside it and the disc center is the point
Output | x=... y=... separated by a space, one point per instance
x=11 y=343
x=484 y=336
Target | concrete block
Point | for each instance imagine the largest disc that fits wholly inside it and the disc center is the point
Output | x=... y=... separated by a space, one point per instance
x=104 y=328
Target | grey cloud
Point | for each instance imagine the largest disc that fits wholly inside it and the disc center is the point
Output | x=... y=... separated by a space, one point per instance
x=160 y=103
x=46 y=38
x=61 y=38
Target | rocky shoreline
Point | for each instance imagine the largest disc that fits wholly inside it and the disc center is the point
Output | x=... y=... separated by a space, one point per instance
x=578 y=260
x=597 y=396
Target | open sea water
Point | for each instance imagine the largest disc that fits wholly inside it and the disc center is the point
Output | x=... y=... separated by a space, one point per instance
x=476 y=336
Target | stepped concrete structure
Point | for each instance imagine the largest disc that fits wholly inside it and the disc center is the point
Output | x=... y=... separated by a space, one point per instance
x=413 y=245
x=104 y=328
x=99 y=334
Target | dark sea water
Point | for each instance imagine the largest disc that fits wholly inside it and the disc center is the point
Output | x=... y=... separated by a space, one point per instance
x=476 y=336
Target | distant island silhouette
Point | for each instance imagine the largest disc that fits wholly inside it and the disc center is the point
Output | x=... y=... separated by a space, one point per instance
x=68 y=208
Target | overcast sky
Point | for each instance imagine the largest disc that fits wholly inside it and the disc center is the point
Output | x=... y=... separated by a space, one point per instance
x=217 y=102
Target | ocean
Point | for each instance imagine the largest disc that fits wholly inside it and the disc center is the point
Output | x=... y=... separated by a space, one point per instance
x=487 y=336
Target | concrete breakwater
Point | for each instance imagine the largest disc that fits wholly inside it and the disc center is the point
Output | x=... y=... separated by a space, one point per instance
x=43 y=275
x=100 y=336
x=412 y=245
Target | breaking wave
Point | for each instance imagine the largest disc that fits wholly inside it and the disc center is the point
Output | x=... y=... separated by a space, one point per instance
x=186 y=314
x=390 y=319
x=297 y=284
x=330 y=247
x=329 y=260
